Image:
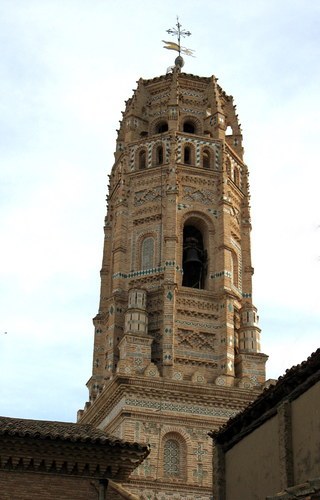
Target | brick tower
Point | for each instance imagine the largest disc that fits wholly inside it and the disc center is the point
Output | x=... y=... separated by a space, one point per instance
x=177 y=342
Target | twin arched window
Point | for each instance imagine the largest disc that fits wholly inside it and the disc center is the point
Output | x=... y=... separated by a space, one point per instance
x=188 y=126
x=188 y=158
x=142 y=157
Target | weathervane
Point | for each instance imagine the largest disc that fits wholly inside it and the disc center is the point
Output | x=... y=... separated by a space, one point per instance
x=177 y=46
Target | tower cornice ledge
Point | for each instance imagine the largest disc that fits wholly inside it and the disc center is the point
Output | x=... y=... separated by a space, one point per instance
x=163 y=389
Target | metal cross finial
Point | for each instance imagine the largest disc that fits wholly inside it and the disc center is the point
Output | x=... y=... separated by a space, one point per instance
x=178 y=32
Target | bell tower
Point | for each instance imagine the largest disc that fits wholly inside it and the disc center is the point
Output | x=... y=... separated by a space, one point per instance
x=177 y=341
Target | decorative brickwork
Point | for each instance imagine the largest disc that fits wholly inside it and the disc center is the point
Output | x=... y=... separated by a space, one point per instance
x=177 y=229
x=58 y=460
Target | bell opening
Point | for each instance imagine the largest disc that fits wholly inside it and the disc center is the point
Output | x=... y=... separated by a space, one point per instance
x=193 y=258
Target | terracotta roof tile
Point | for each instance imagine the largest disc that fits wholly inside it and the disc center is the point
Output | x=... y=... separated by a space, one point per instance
x=65 y=431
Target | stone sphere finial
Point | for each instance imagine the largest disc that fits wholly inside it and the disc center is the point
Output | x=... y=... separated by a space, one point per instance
x=179 y=62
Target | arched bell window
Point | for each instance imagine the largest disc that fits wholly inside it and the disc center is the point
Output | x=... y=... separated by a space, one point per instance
x=159 y=155
x=187 y=155
x=194 y=258
x=206 y=158
x=189 y=127
x=142 y=160
x=161 y=127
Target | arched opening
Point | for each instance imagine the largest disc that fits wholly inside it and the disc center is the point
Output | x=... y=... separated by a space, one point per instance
x=229 y=130
x=206 y=158
x=172 y=458
x=147 y=253
x=142 y=160
x=159 y=155
x=228 y=167
x=161 y=127
x=194 y=258
x=187 y=155
x=234 y=270
x=189 y=127
x=236 y=176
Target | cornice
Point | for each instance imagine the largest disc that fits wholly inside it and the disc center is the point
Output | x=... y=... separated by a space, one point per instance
x=204 y=423
x=48 y=456
x=168 y=486
x=229 y=398
x=234 y=154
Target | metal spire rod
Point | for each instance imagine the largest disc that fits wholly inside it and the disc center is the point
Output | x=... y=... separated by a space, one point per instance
x=179 y=33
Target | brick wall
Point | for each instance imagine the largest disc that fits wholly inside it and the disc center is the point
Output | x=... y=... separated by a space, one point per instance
x=35 y=486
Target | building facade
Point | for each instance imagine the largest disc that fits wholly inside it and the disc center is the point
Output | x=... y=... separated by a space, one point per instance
x=271 y=450
x=62 y=460
x=177 y=342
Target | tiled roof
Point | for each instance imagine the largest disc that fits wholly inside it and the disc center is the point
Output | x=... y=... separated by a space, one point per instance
x=294 y=382
x=65 y=431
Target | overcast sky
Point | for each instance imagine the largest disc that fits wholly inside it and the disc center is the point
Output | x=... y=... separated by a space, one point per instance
x=66 y=68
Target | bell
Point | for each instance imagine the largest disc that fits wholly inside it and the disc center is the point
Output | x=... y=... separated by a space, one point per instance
x=192 y=256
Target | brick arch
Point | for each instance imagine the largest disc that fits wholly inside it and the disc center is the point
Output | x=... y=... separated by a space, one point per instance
x=210 y=151
x=183 y=443
x=229 y=128
x=234 y=268
x=232 y=126
x=174 y=429
x=155 y=147
x=141 y=238
x=200 y=220
x=156 y=123
x=191 y=147
x=195 y=121
x=139 y=150
x=204 y=223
